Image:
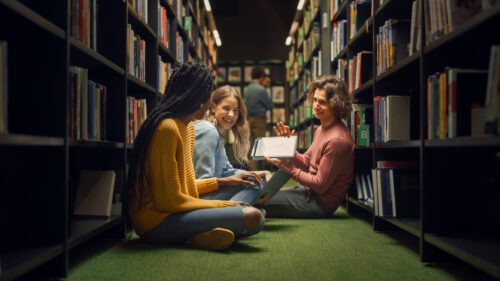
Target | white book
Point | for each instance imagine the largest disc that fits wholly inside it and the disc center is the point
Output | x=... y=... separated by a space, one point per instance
x=94 y=196
x=274 y=147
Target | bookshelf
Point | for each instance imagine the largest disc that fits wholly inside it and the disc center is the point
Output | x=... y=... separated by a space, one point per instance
x=451 y=170
x=49 y=56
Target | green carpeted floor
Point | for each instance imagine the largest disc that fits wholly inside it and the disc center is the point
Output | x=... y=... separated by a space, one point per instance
x=340 y=248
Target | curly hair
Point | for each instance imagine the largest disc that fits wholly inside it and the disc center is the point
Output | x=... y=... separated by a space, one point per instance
x=189 y=87
x=241 y=130
x=336 y=93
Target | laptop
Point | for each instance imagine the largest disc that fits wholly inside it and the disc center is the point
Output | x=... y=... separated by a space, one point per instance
x=275 y=183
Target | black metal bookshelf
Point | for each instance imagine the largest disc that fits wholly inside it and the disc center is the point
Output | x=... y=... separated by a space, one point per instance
x=451 y=170
x=41 y=160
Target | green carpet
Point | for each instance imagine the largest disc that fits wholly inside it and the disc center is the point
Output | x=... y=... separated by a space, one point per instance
x=340 y=248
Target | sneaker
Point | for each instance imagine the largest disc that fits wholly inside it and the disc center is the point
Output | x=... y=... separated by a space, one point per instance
x=215 y=239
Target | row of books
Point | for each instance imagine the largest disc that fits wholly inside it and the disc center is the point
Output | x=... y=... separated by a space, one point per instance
x=396 y=190
x=359 y=11
x=360 y=124
x=164 y=72
x=391 y=118
x=464 y=102
x=360 y=70
x=312 y=42
x=364 y=189
x=136 y=54
x=305 y=136
x=179 y=48
x=392 y=41
x=137 y=112
x=339 y=38
x=278 y=114
x=163 y=25
x=444 y=16
x=3 y=88
x=88 y=106
x=84 y=22
x=334 y=7
x=141 y=8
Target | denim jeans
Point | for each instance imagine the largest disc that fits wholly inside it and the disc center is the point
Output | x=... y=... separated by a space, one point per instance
x=178 y=227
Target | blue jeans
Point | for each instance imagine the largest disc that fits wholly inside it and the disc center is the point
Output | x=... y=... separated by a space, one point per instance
x=179 y=227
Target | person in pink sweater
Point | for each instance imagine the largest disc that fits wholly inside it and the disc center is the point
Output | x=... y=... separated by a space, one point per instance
x=325 y=171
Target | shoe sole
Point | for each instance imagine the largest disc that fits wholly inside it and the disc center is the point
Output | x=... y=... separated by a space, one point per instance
x=215 y=239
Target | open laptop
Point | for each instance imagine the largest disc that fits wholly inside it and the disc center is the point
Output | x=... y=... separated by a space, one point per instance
x=275 y=183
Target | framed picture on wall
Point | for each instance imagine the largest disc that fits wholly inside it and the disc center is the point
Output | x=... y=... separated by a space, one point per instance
x=248 y=73
x=234 y=74
x=278 y=115
x=278 y=94
x=221 y=74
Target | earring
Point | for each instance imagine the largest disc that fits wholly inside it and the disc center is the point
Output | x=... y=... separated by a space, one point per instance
x=201 y=105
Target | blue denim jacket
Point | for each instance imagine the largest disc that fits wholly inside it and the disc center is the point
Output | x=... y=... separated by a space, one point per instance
x=210 y=159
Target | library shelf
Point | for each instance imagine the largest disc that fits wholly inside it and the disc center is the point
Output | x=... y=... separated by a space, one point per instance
x=95 y=144
x=21 y=10
x=390 y=7
x=182 y=32
x=141 y=84
x=484 y=141
x=138 y=24
x=482 y=254
x=166 y=52
x=469 y=26
x=410 y=225
x=359 y=204
x=95 y=57
x=170 y=10
x=363 y=88
x=30 y=140
x=18 y=262
x=406 y=62
x=341 y=12
x=364 y=147
x=399 y=144
x=363 y=34
x=84 y=228
x=315 y=18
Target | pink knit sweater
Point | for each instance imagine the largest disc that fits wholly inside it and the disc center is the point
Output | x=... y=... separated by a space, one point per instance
x=327 y=166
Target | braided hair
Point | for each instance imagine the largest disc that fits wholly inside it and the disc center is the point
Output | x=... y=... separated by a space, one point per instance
x=189 y=86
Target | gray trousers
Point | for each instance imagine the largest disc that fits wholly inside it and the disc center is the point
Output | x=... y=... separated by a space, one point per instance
x=298 y=202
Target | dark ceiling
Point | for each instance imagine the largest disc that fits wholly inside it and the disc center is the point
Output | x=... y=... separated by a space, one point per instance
x=253 y=29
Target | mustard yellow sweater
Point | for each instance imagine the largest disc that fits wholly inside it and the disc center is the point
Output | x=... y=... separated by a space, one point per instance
x=172 y=185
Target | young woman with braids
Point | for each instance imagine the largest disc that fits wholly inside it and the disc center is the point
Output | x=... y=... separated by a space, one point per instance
x=164 y=196
x=228 y=112
x=325 y=170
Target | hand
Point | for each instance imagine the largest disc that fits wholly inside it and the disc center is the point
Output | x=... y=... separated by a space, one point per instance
x=275 y=161
x=283 y=130
x=266 y=174
x=239 y=179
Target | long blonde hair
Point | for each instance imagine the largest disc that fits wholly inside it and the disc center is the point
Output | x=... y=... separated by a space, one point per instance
x=241 y=130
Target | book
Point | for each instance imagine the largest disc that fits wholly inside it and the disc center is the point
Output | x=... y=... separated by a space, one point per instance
x=95 y=193
x=274 y=147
